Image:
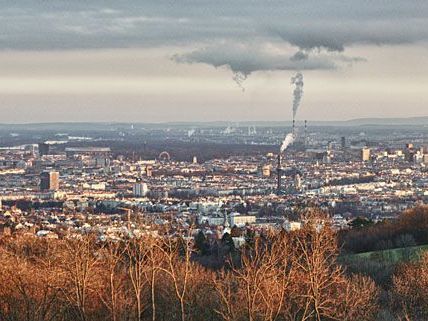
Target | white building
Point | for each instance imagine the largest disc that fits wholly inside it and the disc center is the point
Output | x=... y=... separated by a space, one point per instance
x=240 y=220
x=140 y=189
x=292 y=226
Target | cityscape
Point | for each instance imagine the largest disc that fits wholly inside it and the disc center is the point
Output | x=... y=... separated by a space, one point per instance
x=56 y=183
x=214 y=160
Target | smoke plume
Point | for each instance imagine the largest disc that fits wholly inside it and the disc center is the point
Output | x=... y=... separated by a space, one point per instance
x=239 y=78
x=297 y=81
x=190 y=133
x=289 y=139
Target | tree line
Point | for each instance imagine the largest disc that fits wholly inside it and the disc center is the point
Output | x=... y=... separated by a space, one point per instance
x=409 y=229
x=278 y=276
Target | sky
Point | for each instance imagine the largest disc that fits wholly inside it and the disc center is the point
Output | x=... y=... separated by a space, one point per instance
x=204 y=60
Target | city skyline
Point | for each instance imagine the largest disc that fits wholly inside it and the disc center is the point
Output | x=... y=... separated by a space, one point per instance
x=170 y=61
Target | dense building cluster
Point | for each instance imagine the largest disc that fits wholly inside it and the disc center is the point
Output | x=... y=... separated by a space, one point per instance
x=52 y=188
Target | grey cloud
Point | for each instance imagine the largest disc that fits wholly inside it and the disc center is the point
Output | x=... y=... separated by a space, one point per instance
x=299 y=55
x=335 y=36
x=330 y=24
x=319 y=30
x=248 y=58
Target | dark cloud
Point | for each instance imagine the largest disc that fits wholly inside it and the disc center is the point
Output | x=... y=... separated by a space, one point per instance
x=306 y=24
x=337 y=35
x=299 y=56
x=223 y=33
x=247 y=58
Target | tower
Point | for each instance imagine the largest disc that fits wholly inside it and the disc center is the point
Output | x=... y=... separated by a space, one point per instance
x=343 y=142
x=43 y=149
x=278 y=172
x=149 y=171
x=140 y=189
x=297 y=182
x=49 y=181
x=365 y=154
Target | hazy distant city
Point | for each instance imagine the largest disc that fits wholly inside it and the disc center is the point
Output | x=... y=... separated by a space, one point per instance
x=208 y=173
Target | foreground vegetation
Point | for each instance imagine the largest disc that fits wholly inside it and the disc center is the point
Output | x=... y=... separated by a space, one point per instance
x=408 y=230
x=280 y=276
x=381 y=265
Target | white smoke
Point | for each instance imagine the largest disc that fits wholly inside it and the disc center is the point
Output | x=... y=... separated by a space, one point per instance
x=289 y=139
x=228 y=130
x=239 y=77
x=297 y=81
x=190 y=133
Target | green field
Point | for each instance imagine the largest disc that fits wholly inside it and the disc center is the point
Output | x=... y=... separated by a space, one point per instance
x=391 y=256
x=380 y=265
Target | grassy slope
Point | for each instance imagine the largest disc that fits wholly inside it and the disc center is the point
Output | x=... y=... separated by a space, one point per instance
x=391 y=256
x=380 y=265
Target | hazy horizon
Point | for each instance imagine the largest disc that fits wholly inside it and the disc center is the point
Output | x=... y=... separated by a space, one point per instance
x=169 y=61
x=352 y=121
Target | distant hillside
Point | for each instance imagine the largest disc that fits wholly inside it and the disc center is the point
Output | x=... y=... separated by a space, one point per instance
x=411 y=121
x=389 y=121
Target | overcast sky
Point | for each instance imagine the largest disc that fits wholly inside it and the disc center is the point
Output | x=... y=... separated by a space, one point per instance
x=154 y=61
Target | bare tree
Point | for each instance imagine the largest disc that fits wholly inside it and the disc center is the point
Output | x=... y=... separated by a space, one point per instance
x=410 y=288
x=278 y=277
x=114 y=277
x=78 y=263
x=28 y=280
x=226 y=288
x=137 y=253
x=178 y=267
x=359 y=299
x=316 y=260
x=154 y=257
x=260 y=281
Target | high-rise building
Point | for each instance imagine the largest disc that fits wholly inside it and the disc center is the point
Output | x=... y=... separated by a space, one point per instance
x=140 y=189
x=365 y=154
x=49 y=181
x=43 y=149
x=102 y=162
x=410 y=155
x=297 y=182
x=149 y=171
x=343 y=142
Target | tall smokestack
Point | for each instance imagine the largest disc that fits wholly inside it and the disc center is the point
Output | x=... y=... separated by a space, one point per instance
x=293 y=128
x=278 y=172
